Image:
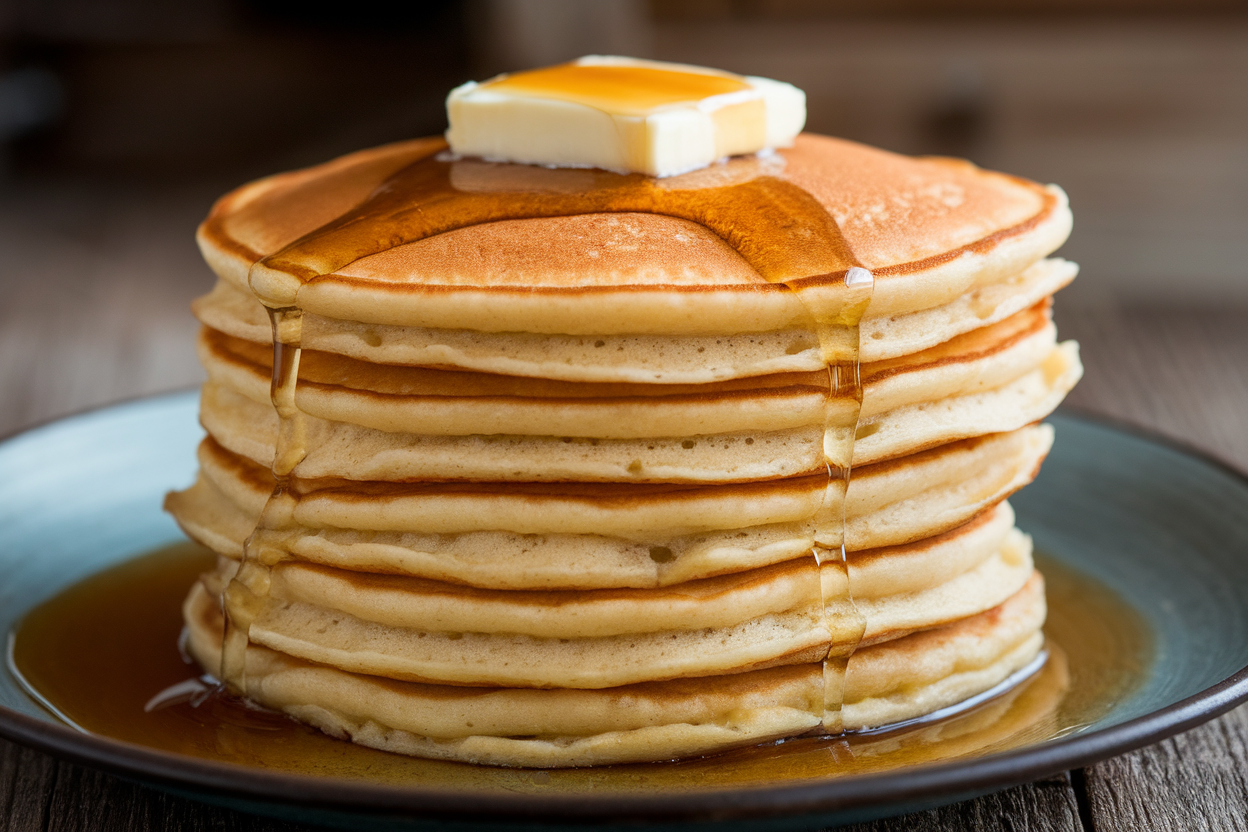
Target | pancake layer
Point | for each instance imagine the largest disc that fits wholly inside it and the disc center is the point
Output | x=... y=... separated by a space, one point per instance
x=931 y=231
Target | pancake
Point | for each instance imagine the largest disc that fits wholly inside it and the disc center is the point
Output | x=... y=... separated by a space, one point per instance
x=655 y=720
x=898 y=589
x=651 y=274
x=418 y=633
x=686 y=358
x=887 y=504
x=551 y=467
x=990 y=380
x=437 y=403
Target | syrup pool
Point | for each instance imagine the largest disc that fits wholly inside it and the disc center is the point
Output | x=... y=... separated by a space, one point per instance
x=103 y=655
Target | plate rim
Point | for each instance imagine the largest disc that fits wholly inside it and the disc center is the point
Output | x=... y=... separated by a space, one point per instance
x=928 y=785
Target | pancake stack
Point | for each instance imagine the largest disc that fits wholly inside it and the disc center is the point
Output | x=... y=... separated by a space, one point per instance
x=544 y=480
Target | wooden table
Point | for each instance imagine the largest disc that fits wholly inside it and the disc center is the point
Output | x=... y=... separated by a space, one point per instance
x=94 y=310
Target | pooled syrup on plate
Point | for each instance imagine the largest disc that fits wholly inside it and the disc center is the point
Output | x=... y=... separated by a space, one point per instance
x=777 y=227
x=104 y=655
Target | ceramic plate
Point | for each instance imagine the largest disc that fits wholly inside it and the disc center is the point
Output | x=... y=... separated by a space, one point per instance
x=1165 y=528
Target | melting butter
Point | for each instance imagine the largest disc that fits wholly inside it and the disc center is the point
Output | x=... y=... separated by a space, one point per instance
x=624 y=115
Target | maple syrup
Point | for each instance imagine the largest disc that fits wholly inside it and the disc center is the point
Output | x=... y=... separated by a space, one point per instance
x=615 y=88
x=776 y=226
x=243 y=597
x=104 y=655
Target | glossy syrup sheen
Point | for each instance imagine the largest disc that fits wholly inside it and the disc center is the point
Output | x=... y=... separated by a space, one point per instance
x=783 y=231
x=626 y=90
x=777 y=226
x=104 y=648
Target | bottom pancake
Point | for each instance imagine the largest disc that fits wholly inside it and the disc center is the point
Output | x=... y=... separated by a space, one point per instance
x=885 y=683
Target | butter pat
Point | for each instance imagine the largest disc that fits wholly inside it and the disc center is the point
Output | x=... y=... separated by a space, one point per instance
x=624 y=115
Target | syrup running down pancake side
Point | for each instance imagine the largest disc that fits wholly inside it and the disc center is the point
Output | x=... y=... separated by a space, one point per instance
x=780 y=230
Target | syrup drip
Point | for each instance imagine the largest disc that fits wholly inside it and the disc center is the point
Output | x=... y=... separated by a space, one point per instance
x=244 y=595
x=777 y=227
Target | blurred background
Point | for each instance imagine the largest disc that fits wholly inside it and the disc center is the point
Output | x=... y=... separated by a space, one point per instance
x=121 y=121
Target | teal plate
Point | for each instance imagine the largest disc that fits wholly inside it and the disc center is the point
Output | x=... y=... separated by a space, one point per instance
x=1165 y=528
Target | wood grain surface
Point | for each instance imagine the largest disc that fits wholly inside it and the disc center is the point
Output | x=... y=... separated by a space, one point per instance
x=100 y=316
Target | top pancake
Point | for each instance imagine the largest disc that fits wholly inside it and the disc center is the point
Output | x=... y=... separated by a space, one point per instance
x=929 y=229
